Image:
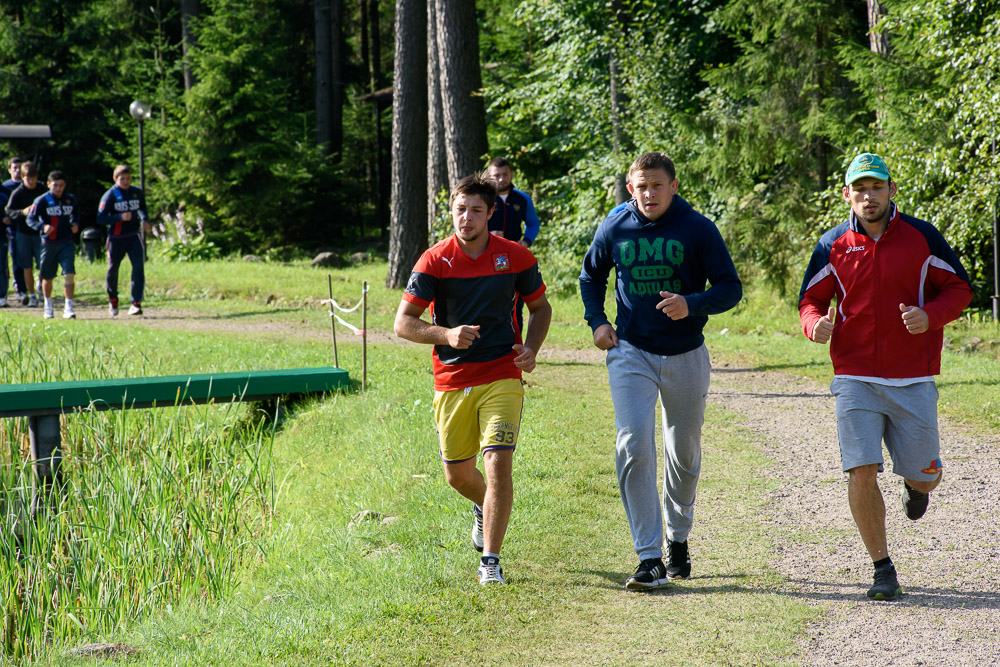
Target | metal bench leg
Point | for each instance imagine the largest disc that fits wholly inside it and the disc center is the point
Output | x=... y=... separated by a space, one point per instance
x=46 y=453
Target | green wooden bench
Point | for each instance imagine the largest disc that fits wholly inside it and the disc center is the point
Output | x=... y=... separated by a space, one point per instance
x=43 y=402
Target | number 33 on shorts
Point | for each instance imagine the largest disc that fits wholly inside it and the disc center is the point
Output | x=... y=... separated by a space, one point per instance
x=504 y=434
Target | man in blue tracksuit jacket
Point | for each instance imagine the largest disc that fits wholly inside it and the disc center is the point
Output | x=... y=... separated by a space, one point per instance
x=55 y=217
x=512 y=210
x=122 y=210
x=9 y=231
x=663 y=252
x=4 y=226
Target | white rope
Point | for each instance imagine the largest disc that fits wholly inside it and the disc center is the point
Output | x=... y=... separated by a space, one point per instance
x=339 y=307
x=356 y=331
x=347 y=324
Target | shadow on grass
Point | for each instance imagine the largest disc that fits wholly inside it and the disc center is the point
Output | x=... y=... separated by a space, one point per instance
x=962 y=383
x=755 y=394
x=828 y=591
x=616 y=581
x=771 y=367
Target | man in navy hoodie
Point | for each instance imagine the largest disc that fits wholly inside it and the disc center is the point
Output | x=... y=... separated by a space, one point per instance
x=122 y=210
x=28 y=243
x=54 y=215
x=9 y=232
x=663 y=252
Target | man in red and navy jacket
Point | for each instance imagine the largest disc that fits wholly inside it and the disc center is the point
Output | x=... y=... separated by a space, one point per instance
x=897 y=283
x=122 y=210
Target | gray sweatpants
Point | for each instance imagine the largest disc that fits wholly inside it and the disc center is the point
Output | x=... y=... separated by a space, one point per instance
x=681 y=382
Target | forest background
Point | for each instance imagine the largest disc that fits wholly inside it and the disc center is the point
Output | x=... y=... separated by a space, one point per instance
x=289 y=126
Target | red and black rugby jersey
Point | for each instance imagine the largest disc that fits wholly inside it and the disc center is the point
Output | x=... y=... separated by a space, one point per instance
x=482 y=291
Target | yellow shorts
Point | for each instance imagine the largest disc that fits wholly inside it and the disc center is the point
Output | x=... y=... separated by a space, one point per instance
x=477 y=419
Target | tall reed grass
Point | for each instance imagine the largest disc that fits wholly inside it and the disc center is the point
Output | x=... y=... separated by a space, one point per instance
x=154 y=506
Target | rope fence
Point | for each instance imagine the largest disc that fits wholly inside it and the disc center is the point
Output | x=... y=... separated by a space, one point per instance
x=333 y=307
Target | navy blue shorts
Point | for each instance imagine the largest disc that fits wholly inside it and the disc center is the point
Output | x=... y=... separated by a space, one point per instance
x=62 y=254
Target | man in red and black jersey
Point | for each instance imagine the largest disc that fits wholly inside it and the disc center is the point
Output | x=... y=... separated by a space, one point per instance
x=471 y=281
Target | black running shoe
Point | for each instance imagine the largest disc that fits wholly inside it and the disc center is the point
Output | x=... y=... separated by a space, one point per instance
x=649 y=574
x=679 y=561
x=914 y=502
x=886 y=585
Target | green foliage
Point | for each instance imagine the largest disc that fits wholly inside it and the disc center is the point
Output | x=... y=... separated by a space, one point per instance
x=762 y=105
x=941 y=120
x=248 y=170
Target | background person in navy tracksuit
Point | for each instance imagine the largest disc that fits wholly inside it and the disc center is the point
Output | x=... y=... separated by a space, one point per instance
x=29 y=243
x=122 y=210
x=5 y=220
x=12 y=183
x=513 y=209
x=54 y=215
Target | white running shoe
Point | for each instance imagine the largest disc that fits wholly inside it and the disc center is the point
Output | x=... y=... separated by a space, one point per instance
x=3 y=302
x=113 y=309
x=135 y=309
x=477 y=528
x=23 y=298
x=49 y=313
x=32 y=301
x=490 y=573
x=68 y=312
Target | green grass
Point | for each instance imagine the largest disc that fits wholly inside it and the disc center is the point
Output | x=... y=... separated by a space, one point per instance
x=310 y=588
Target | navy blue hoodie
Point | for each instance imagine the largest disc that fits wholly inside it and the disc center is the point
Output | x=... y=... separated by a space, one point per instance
x=679 y=252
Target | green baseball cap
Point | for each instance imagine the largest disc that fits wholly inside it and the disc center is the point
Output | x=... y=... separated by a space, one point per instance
x=866 y=165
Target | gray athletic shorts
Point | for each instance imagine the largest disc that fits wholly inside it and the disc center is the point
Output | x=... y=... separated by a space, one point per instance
x=905 y=417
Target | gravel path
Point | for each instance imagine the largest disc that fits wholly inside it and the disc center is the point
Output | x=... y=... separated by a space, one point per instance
x=948 y=562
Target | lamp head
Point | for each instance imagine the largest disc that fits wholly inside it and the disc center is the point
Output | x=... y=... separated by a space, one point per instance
x=140 y=110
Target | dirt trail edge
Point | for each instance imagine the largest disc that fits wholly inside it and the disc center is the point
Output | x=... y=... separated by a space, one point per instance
x=947 y=561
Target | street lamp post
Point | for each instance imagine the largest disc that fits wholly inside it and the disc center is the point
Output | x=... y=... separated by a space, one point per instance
x=141 y=112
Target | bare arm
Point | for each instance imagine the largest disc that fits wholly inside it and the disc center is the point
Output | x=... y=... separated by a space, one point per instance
x=539 y=318
x=408 y=325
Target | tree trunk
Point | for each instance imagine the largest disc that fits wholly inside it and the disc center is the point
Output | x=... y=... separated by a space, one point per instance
x=383 y=165
x=617 y=100
x=336 y=76
x=879 y=43
x=617 y=140
x=189 y=10
x=324 y=74
x=437 y=160
x=461 y=84
x=408 y=229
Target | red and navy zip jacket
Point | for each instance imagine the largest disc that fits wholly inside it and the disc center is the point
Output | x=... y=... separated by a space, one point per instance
x=910 y=264
x=58 y=213
x=461 y=290
x=114 y=203
x=508 y=216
